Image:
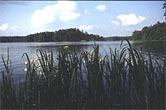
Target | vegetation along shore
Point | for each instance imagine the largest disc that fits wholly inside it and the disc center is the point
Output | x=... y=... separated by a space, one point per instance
x=123 y=78
x=155 y=32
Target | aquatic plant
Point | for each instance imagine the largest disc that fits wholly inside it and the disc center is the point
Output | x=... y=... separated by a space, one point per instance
x=124 y=78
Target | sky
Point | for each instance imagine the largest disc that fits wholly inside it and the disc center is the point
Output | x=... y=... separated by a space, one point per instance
x=105 y=18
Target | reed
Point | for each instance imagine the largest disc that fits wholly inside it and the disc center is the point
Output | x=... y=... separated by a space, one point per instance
x=122 y=79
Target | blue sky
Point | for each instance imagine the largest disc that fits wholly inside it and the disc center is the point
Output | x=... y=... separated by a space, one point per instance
x=106 y=18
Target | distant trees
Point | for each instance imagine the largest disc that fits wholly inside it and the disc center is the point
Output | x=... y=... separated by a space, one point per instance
x=40 y=37
x=164 y=7
x=155 y=32
x=12 y=39
x=74 y=34
x=117 y=38
x=71 y=34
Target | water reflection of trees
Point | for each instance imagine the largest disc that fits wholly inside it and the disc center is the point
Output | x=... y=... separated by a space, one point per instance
x=157 y=47
x=72 y=48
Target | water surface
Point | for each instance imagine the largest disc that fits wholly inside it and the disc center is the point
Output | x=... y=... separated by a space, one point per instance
x=16 y=50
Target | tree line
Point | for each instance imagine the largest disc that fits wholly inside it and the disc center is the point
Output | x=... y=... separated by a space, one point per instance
x=71 y=34
x=117 y=38
x=155 y=32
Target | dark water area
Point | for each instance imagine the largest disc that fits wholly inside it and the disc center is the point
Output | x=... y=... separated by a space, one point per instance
x=16 y=50
x=155 y=47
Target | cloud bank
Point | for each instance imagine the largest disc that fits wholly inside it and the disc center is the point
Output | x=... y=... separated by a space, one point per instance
x=3 y=27
x=115 y=22
x=87 y=27
x=101 y=7
x=62 y=10
x=130 y=19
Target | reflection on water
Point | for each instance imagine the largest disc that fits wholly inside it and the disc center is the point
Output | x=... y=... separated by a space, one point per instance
x=156 y=47
x=17 y=50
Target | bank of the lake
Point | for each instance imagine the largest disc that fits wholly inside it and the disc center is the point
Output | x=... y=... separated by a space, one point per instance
x=123 y=78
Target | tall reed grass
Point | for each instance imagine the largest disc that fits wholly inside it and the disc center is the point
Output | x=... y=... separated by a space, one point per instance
x=123 y=79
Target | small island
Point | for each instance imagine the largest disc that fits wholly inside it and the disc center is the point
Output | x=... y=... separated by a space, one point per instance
x=62 y=35
x=155 y=32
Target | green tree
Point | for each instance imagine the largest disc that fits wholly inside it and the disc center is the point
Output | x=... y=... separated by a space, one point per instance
x=155 y=32
x=164 y=7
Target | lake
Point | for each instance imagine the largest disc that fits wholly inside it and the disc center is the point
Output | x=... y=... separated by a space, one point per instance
x=16 y=50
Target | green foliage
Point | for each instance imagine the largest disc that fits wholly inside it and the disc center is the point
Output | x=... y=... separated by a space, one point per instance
x=118 y=38
x=71 y=34
x=125 y=79
x=155 y=32
x=164 y=7
x=12 y=39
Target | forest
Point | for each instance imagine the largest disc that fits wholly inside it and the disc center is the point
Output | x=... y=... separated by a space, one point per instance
x=71 y=34
x=117 y=38
x=155 y=32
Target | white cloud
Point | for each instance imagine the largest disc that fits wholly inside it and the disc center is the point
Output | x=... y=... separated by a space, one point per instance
x=115 y=22
x=87 y=27
x=101 y=7
x=128 y=29
x=65 y=16
x=64 y=10
x=87 y=12
x=3 y=27
x=15 y=28
x=130 y=19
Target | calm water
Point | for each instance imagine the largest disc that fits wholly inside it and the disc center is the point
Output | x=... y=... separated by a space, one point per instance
x=16 y=50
